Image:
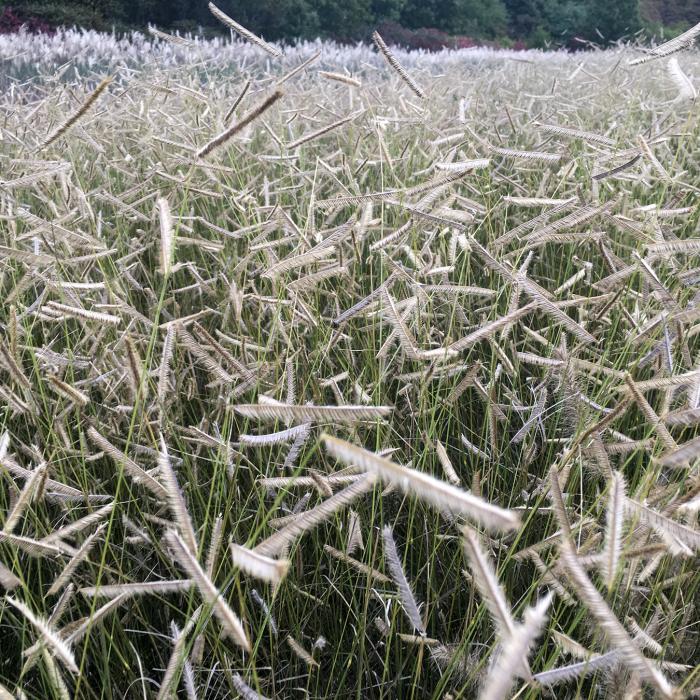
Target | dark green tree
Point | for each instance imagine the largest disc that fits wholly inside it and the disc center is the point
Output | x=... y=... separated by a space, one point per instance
x=565 y=20
x=387 y=10
x=524 y=16
x=559 y=21
x=419 y=13
x=273 y=19
x=608 y=21
x=101 y=14
x=475 y=17
x=479 y=18
x=346 y=19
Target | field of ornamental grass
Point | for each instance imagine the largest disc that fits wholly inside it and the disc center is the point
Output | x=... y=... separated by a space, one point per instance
x=344 y=372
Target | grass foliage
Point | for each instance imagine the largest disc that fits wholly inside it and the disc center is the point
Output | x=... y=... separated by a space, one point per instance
x=347 y=374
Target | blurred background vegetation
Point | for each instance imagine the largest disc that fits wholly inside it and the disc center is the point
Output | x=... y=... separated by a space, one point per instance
x=428 y=24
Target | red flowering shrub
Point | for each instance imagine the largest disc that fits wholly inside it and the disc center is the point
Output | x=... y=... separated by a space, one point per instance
x=11 y=22
x=465 y=42
x=430 y=39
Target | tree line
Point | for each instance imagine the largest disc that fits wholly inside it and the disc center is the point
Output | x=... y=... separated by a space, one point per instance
x=421 y=23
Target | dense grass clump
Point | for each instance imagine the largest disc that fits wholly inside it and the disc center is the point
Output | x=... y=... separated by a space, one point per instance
x=346 y=373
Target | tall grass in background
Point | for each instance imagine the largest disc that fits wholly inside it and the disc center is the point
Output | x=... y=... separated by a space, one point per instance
x=347 y=373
